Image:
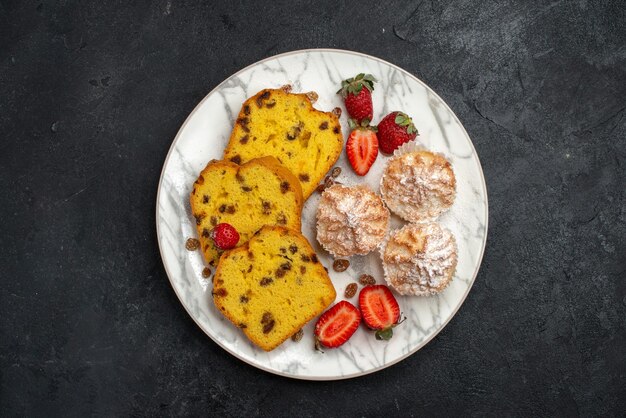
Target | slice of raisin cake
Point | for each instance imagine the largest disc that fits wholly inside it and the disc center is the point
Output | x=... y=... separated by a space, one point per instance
x=272 y=286
x=259 y=192
x=285 y=125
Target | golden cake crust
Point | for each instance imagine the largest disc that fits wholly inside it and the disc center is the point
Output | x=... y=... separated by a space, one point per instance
x=418 y=185
x=272 y=286
x=351 y=220
x=285 y=125
x=260 y=192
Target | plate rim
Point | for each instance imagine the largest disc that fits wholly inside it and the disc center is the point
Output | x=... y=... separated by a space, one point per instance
x=426 y=340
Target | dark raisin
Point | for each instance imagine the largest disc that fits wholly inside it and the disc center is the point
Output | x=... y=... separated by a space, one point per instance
x=280 y=273
x=250 y=255
x=230 y=209
x=192 y=244
x=220 y=292
x=335 y=173
x=366 y=279
x=336 y=130
x=193 y=192
x=305 y=258
x=206 y=272
x=244 y=139
x=199 y=219
x=302 y=269
x=341 y=265
x=267 y=328
x=268 y=322
x=283 y=250
x=281 y=219
x=243 y=299
x=285 y=266
x=222 y=208
x=294 y=131
x=246 y=110
x=297 y=336
x=337 y=111
x=242 y=325
x=314 y=258
x=205 y=198
x=239 y=177
x=236 y=159
x=250 y=268
x=284 y=187
x=265 y=281
x=321 y=187
x=243 y=122
x=264 y=96
x=246 y=188
x=303 y=177
x=350 y=290
x=323 y=126
x=200 y=179
x=213 y=220
x=205 y=232
x=271 y=104
x=293 y=248
x=267 y=207
x=312 y=96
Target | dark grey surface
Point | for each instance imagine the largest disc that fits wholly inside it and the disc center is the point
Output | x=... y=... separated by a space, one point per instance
x=91 y=97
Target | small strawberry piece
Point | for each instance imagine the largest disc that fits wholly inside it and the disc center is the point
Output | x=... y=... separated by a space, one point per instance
x=337 y=324
x=357 y=96
x=362 y=149
x=394 y=130
x=380 y=310
x=225 y=236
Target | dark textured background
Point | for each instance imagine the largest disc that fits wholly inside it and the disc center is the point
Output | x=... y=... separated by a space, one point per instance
x=91 y=96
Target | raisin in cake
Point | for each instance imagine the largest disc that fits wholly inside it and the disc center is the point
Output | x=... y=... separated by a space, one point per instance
x=285 y=125
x=260 y=192
x=272 y=286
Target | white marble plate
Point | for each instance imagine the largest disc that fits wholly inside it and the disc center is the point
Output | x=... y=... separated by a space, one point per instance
x=203 y=137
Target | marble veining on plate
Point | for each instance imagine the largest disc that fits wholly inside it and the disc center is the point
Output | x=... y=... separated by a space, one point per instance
x=204 y=136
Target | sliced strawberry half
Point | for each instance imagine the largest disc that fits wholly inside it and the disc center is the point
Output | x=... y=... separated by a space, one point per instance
x=380 y=310
x=362 y=149
x=337 y=324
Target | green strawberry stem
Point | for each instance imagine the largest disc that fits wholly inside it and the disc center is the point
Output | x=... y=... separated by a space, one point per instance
x=355 y=85
x=384 y=334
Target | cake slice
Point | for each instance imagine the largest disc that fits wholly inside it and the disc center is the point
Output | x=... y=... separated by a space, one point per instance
x=285 y=125
x=272 y=286
x=259 y=192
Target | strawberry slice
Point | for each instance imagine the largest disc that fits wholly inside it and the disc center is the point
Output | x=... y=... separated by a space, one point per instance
x=380 y=310
x=337 y=324
x=362 y=149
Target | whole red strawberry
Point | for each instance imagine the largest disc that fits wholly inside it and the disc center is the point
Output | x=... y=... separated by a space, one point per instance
x=225 y=236
x=362 y=148
x=380 y=310
x=357 y=96
x=394 y=130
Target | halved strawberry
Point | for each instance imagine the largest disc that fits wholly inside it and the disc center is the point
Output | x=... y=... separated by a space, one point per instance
x=337 y=324
x=380 y=310
x=362 y=148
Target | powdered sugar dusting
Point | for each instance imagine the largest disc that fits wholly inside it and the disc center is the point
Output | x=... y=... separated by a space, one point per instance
x=420 y=259
x=351 y=220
